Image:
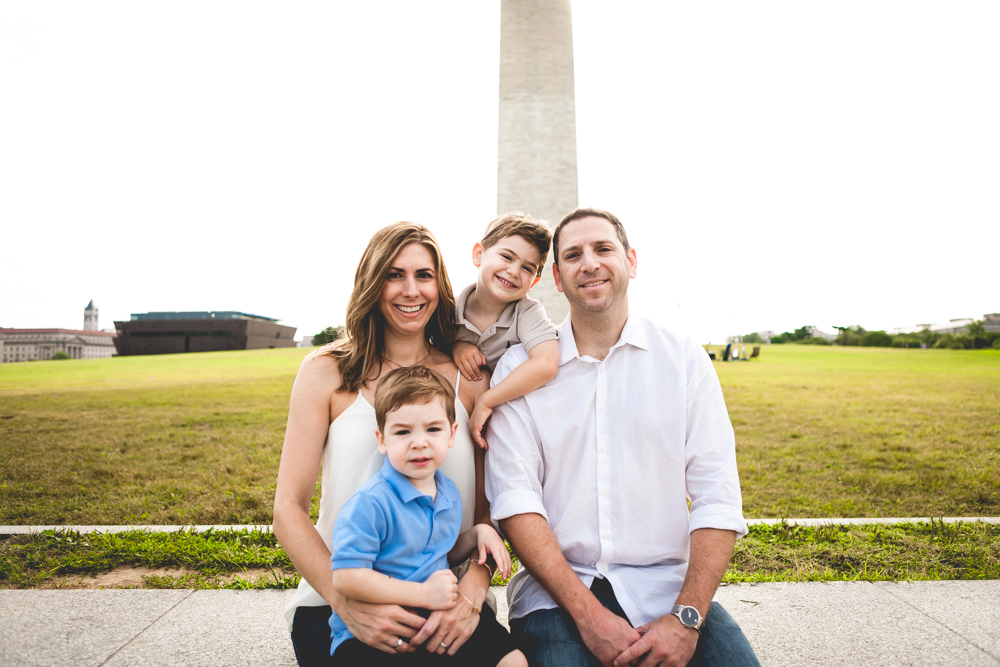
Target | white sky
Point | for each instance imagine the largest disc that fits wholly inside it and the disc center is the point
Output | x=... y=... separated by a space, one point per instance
x=776 y=164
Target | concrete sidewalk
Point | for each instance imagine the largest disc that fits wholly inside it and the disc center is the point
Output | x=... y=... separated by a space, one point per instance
x=840 y=623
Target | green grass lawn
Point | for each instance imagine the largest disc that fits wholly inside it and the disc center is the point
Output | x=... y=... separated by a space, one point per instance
x=821 y=431
x=924 y=551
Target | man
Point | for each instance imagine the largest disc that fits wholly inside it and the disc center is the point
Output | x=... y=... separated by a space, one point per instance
x=590 y=478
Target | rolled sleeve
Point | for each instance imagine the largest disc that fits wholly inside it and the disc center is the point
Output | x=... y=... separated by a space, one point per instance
x=712 y=480
x=514 y=464
x=533 y=325
x=357 y=536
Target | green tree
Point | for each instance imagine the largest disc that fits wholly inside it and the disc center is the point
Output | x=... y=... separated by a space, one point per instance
x=327 y=335
x=59 y=356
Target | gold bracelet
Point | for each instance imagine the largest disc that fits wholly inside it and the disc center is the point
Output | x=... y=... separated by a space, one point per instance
x=472 y=560
x=474 y=607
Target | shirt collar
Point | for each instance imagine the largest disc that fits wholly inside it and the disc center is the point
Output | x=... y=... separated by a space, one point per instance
x=506 y=318
x=407 y=492
x=633 y=334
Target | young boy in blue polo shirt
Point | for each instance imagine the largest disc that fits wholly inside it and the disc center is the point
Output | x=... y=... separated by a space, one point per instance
x=394 y=538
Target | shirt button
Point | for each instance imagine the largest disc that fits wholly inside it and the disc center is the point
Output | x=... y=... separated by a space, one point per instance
x=604 y=492
x=602 y=567
x=601 y=369
x=606 y=536
x=603 y=450
x=601 y=408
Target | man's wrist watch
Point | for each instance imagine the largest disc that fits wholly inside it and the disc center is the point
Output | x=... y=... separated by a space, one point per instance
x=688 y=616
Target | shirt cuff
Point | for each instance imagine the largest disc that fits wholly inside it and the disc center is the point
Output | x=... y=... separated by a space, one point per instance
x=347 y=563
x=720 y=517
x=548 y=335
x=512 y=503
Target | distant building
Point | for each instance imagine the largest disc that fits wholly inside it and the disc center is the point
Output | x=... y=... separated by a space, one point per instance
x=214 y=331
x=952 y=326
x=991 y=321
x=90 y=317
x=43 y=344
x=816 y=333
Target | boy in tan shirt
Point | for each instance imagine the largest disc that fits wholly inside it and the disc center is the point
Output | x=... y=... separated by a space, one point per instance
x=495 y=313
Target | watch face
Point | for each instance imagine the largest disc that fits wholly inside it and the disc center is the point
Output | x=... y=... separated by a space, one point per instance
x=690 y=616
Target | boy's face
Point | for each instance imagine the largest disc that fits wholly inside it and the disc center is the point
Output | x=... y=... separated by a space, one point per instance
x=508 y=269
x=416 y=439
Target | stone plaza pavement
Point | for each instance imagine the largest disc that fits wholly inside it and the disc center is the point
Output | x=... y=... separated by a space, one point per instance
x=838 y=623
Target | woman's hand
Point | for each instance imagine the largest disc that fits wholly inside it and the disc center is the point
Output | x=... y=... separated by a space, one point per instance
x=380 y=625
x=468 y=358
x=453 y=627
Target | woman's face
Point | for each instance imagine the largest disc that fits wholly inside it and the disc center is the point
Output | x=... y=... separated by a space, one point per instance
x=410 y=293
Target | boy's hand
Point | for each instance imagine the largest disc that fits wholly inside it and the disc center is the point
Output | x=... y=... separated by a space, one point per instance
x=468 y=358
x=477 y=421
x=440 y=591
x=489 y=542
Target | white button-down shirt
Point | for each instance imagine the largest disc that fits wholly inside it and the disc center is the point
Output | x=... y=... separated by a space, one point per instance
x=610 y=452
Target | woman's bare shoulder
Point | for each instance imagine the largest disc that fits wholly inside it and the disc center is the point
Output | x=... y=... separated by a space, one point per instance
x=318 y=380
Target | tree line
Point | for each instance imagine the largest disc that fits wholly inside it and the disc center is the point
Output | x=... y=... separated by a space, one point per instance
x=975 y=337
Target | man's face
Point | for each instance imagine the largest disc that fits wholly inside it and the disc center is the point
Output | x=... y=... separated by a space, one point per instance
x=593 y=268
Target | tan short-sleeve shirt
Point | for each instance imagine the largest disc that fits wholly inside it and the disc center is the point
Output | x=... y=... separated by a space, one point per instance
x=524 y=321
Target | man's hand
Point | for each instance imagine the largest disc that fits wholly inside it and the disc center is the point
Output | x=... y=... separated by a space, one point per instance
x=468 y=358
x=664 y=642
x=607 y=635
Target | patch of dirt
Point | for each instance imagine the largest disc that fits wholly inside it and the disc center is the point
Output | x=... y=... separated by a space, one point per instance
x=132 y=577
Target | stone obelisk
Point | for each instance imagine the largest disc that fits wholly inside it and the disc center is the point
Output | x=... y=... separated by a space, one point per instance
x=537 y=156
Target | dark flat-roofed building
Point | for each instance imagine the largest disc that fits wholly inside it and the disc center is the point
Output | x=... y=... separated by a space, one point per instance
x=202 y=331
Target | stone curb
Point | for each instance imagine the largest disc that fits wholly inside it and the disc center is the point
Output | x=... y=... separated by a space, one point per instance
x=7 y=531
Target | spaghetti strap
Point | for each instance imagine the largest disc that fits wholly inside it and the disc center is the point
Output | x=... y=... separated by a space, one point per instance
x=457 y=380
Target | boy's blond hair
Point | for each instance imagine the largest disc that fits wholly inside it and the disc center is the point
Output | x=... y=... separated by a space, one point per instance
x=413 y=385
x=516 y=223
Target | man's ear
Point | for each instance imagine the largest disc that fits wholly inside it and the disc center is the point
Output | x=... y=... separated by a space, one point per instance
x=381 y=441
x=633 y=263
x=477 y=253
x=555 y=277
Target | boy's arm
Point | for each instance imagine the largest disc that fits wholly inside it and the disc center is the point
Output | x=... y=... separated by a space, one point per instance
x=358 y=583
x=541 y=366
x=487 y=541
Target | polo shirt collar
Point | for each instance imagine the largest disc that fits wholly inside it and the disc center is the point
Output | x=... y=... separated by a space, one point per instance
x=407 y=492
x=505 y=320
x=633 y=334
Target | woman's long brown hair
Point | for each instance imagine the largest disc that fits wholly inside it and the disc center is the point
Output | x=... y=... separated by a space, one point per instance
x=359 y=352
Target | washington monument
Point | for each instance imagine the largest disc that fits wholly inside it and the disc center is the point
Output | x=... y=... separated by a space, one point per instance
x=537 y=153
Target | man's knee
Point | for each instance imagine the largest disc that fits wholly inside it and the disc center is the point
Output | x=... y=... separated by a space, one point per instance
x=722 y=642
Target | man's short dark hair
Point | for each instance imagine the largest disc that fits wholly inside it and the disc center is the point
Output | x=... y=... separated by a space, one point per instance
x=581 y=213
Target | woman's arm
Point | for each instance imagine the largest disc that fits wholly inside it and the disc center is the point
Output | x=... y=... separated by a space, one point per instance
x=314 y=403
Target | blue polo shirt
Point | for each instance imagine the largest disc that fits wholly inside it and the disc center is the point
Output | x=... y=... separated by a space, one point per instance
x=393 y=528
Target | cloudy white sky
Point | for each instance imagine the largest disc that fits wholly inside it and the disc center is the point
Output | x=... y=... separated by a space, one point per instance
x=776 y=164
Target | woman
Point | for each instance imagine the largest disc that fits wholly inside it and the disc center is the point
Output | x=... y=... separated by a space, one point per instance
x=399 y=314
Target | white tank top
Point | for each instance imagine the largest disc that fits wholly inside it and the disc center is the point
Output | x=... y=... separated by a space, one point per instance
x=351 y=457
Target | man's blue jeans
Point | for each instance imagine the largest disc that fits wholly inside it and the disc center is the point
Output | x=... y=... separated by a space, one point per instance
x=550 y=639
